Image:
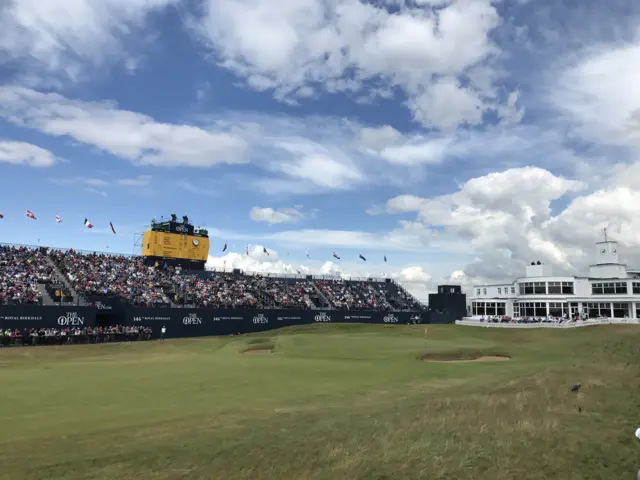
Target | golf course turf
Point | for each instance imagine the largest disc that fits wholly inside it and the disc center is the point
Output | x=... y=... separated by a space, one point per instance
x=328 y=402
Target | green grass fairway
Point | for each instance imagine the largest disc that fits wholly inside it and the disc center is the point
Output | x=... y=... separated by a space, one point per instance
x=327 y=402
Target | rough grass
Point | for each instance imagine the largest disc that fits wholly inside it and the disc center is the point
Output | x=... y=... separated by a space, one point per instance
x=333 y=402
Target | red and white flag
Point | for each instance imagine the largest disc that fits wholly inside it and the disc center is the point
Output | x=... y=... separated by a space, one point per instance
x=1 y=215
x=30 y=215
x=87 y=223
x=58 y=219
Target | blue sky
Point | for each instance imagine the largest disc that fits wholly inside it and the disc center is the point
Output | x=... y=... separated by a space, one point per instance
x=457 y=137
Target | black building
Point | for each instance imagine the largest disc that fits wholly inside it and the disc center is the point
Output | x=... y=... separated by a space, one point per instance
x=448 y=305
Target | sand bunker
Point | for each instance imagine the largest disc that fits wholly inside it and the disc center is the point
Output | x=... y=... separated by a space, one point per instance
x=486 y=358
x=260 y=351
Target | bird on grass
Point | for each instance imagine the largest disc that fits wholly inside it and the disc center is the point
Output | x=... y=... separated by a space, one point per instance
x=576 y=387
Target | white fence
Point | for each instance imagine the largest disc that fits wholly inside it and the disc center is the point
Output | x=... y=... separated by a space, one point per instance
x=580 y=323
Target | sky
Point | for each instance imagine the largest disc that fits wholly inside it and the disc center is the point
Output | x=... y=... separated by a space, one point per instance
x=461 y=139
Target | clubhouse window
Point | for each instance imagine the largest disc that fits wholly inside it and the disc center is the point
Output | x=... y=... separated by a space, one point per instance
x=567 y=288
x=499 y=291
x=539 y=288
x=555 y=288
x=533 y=309
x=557 y=309
x=601 y=309
x=526 y=288
x=620 y=310
x=636 y=287
x=478 y=308
x=609 y=288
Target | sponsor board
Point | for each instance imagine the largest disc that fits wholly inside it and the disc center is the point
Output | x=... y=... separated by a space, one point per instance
x=219 y=319
x=288 y=318
x=357 y=317
x=192 y=319
x=151 y=319
x=260 y=319
x=322 y=317
x=22 y=318
x=71 y=319
x=101 y=306
x=390 y=318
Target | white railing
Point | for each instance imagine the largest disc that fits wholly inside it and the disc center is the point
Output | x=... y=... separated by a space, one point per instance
x=566 y=324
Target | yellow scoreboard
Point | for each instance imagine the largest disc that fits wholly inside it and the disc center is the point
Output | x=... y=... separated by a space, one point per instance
x=175 y=245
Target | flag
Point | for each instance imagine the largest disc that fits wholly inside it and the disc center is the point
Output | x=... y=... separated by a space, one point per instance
x=308 y=256
x=298 y=272
x=112 y=229
x=264 y=249
x=247 y=250
x=362 y=257
x=58 y=219
x=87 y=223
x=224 y=249
x=1 y=215
x=31 y=215
x=335 y=256
x=385 y=259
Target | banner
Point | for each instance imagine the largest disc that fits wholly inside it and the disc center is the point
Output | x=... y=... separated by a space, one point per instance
x=195 y=322
x=33 y=316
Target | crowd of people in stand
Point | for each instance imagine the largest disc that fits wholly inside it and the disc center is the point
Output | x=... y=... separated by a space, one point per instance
x=21 y=270
x=73 y=335
x=125 y=277
x=161 y=285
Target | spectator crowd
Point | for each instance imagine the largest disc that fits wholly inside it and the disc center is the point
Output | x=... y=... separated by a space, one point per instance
x=21 y=270
x=60 y=336
x=128 y=278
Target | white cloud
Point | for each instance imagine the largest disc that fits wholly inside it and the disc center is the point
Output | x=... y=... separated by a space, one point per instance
x=133 y=136
x=322 y=170
x=350 y=43
x=425 y=152
x=269 y=215
x=599 y=94
x=25 y=153
x=507 y=219
x=140 y=181
x=63 y=37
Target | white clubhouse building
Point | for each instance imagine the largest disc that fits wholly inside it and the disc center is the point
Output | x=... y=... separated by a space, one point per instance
x=610 y=290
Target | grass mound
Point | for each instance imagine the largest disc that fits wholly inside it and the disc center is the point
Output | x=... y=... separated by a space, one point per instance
x=259 y=345
x=258 y=341
x=463 y=355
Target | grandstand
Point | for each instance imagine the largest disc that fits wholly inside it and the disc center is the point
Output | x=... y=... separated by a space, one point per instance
x=43 y=276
